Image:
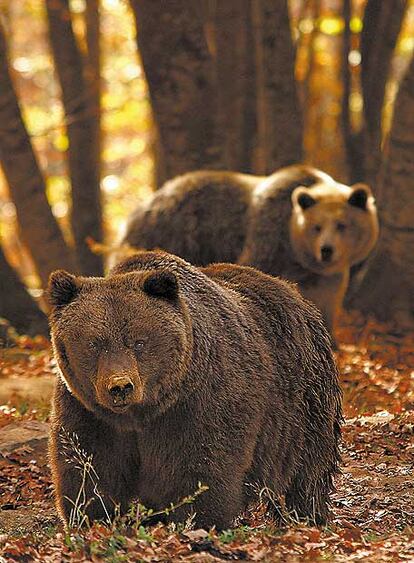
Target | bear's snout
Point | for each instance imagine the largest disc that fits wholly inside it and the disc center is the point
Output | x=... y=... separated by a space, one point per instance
x=120 y=389
x=327 y=252
x=118 y=383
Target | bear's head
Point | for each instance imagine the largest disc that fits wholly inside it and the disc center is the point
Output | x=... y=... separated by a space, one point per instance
x=332 y=226
x=122 y=343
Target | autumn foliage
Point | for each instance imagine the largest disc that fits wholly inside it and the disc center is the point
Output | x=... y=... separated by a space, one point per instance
x=372 y=507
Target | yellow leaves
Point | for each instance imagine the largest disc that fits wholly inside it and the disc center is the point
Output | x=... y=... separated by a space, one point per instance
x=331 y=25
x=355 y=102
x=77 y=6
x=57 y=189
x=113 y=4
x=406 y=45
x=306 y=25
x=124 y=115
x=61 y=142
x=354 y=57
x=22 y=64
x=356 y=25
x=40 y=119
x=110 y=183
x=34 y=117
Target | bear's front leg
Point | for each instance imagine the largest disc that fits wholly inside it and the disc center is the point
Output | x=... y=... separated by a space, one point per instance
x=79 y=498
x=94 y=468
x=327 y=294
x=218 y=506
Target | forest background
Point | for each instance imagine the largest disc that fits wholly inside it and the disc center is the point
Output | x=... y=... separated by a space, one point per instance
x=94 y=117
x=251 y=86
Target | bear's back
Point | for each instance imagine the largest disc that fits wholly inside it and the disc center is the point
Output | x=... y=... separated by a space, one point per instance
x=298 y=346
x=200 y=216
x=273 y=303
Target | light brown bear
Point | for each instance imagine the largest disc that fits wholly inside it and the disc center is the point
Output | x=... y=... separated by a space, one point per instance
x=298 y=223
x=312 y=235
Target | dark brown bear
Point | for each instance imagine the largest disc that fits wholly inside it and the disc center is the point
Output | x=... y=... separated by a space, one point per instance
x=200 y=216
x=172 y=375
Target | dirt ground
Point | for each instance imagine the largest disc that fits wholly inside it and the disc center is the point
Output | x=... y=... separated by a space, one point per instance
x=373 y=507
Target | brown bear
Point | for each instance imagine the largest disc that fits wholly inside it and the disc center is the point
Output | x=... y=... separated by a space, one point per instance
x=172 y=376
x=312 y=237
x=200 y=216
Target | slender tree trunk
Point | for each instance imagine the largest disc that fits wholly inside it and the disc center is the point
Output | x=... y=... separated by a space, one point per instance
x=93 y=75
x=354 y=148
x=249 y=135
x=314 y=9
x=279 y=115
x=39 y=229
x=79 y=104
x=234 y=56
x=16 y=305
x=180 y=73
x=382 y=24
x=388 y=287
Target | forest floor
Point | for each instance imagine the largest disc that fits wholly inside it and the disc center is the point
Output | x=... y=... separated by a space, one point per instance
x=373 y=505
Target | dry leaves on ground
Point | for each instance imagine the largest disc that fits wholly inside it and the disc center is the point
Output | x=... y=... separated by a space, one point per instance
x=373 y=506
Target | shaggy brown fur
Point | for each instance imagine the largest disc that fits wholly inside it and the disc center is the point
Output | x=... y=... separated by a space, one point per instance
x=173 y=375
x=311 y=235
x=200 y=216
x=268 y=223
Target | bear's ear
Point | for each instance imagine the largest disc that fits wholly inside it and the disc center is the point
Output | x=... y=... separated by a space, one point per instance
x=302 y=198
x=359 y=196
x=62 y=288
x=161 y=284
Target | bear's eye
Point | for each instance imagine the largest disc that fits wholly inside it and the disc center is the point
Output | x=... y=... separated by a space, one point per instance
x=138 y=345
x=341 y=227
x=94 y=345
x=98 y=346
x=317 y=228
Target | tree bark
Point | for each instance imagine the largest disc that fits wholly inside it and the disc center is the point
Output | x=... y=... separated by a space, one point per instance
x=16 y=305
x=388 y=287
x=310 y=9
x=381 y=27
x=234 y=58
x=353 y=141
x=79 y=105
x=39 y=229
x=180 y=74
x=93 y=76
x=280 y=129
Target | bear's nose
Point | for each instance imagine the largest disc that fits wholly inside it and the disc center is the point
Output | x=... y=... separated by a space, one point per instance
x=120 y=388
x=326 y=253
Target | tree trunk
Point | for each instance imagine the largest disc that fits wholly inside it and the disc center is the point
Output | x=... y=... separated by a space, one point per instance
x=39 y=229
x=249 y=134
x=280 y=130
x=93 y=76
x=382 y=24
x=353 y=141
x=16 y=305
x=180 y=74
x=310 y=9
x=387 y=289
x=234 y=57
x=79 y=104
